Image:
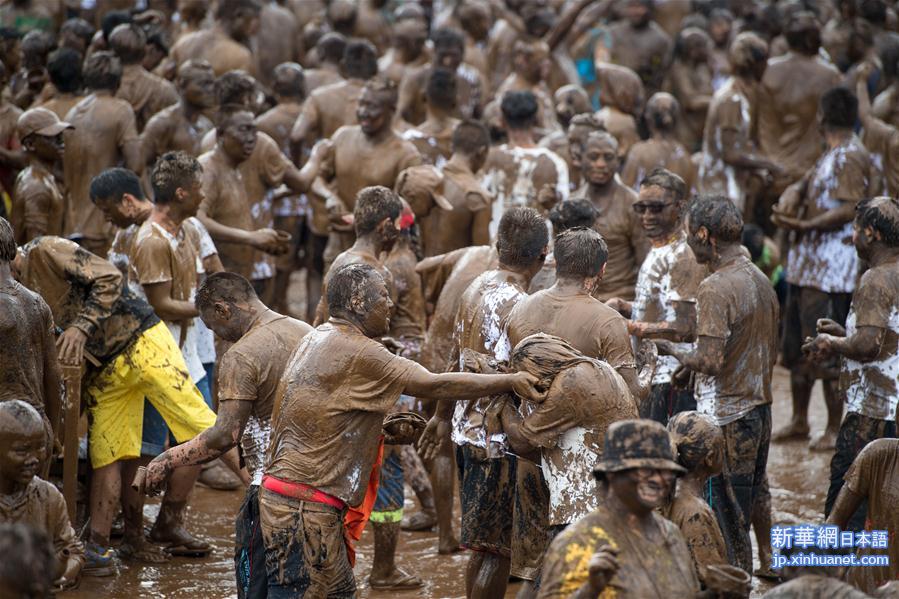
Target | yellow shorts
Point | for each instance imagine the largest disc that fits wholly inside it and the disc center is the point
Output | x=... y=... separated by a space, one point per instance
x=151 y=368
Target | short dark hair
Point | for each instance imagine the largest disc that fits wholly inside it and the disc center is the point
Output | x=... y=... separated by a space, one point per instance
x=882 y=215
x=229 y=9
x=373 y=205
x=385 y=88
x=331 y=46
x=521 y=237
x=580 y=252
x=568 y=214
x=36 y=45
x=839 y=108
x=114 y=183
x=599 y=136
x=670 y=182
x=873 y=11
x=228 y=287
x=7 y=241
x=803 y=34
x=718 y=215
x=753 y=239
x=519 y=109
x=441 y=89
x=129 y=42
x=226 y=113
x=233 y=87
x=360 y=60
x=447 y=37
x=289 y=80
x=348 y=281
x=171 y=171
x=80 y=28
x=102 y=71
x=113 y=19
x=470 y=136
x=64 y=70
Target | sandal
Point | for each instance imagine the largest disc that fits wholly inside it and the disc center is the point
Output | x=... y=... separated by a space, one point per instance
x=145 y=553
x=420 y=521
x=400 y=581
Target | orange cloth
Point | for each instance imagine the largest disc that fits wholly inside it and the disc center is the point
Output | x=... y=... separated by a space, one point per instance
x=357 y=517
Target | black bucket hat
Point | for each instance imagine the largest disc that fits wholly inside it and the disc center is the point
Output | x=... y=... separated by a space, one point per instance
x=637 y=444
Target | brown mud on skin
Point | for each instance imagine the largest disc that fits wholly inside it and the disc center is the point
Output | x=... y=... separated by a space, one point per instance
x=798 y=480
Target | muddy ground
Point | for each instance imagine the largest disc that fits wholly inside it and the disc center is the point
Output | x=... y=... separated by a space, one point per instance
x=798 y=480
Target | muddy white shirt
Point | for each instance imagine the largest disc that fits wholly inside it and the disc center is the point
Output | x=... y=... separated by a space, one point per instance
x=514 y=176
x=669 y=274
x=872 y=388
x=827 y=260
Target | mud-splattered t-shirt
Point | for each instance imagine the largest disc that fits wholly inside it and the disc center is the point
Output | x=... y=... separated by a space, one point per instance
x=648 y=569
x=698 y=524
x=338 y=386
x=41 y=506
x=875 y=475
x=251 y=370
x=570 y=426
x=593 y=328
x=26 y=324
x=480 y=326
x=87 y=292
x=872 y=388
x=737 y=304
x=670 y=274
x=826 y=260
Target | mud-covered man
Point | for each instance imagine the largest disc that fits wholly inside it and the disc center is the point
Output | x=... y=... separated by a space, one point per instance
x=337 y=388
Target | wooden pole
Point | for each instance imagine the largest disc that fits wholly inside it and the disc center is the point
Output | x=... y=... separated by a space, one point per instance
x=71 y=376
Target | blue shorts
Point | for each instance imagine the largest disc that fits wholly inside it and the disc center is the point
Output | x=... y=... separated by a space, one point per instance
x=155 y=433
x=389 y=503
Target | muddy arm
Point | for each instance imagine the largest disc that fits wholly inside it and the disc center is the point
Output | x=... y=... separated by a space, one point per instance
x=707 y=357
x=682 y=329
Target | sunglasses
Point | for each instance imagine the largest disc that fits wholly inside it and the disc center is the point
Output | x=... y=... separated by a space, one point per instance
x=654 y=208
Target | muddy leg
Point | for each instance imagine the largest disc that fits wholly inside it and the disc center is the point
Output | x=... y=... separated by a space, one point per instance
x=106 y=491
x=169 y=526
x=384 y=573
x=801 y=390
x=761 y=526
x=443 y=479
x=492 y=578
x=417 y=477
x=834 y=401
x=471 y=571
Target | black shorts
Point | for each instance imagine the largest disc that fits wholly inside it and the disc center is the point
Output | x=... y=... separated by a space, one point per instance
x=487 y=493
x=249 y=550
x=665 y=401
x=531 y=521
x=805 y=305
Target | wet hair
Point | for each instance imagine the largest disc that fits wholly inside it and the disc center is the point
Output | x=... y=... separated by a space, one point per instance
x=470 y=137
x=384 y=88
x=36 y=45
x=234 y=87
x=192 y=66
x=601 y=136
x=342 y=15
x=519 y=109
x=538 y=23
x=28 y=560
x=694 y=437
x=160 y=40
x=806 y=38
x=228 y=287
x=129 y=42
x=753 y=239
x=447 y=38
x=64 y=70
x=348 y=282
x=889 y=55
x=80 y=28
x=839 y=108
x=718 y=215
x=21 y=415
x=226 y=113
x=171 y=171
x=569 y=214
x=441 y=89
x=113 y=19
x=882 y=215
x=662 y=110
x=586 y=120
x=7 y=241
x=686 y=38
x=873 y=11
x=360 y=60
x=746 y=51
x=670 y=182
x=580 y=253
x=114 y=183
x=289 y=80
x=331 y=47
x=231 y=9
x=102 y=71
x=521 y=237
x=373 y=205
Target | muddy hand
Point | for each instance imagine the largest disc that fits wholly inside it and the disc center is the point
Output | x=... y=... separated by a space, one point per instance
x=547 y=197
x=647 y=354
x=155 y=478
x=71 y=346
x=602 y=567
x=525 y=386
x=830 y=327
x=436 y=433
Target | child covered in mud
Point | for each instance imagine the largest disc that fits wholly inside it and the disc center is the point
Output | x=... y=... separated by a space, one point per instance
x=27 y=499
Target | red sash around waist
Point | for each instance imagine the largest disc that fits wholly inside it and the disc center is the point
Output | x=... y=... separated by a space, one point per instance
x=300 y=491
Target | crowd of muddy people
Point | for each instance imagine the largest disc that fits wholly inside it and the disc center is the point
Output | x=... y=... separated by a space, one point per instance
x=534 y=259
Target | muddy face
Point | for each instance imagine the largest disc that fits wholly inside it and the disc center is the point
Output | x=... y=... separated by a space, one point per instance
x=199 y=89
x=219 y=319
x=239 y=137
x=448 y=58
x=637 y=13
x=372 y=113
x=47 y=148
x=192 y=197
x=700 y=243
x=599 y=162
x=659 y=214
x=22 y=449
x=121 y=214
x=373 y=312
x=642 y=489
